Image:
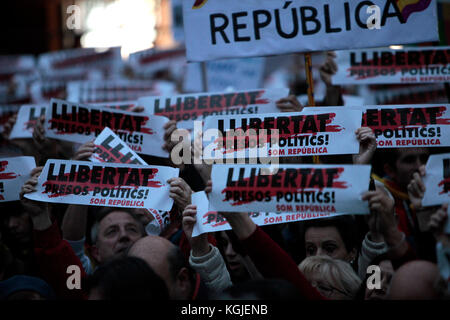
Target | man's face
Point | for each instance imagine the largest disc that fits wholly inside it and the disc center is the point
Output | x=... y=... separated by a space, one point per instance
x=117 y=232
x=408 y=161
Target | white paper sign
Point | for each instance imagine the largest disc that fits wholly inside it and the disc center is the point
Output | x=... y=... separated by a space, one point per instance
x=185 y=109
x=14 y=172
x=294 y=188
x=81 y=123
x=216 y=29
x=105 y=184
x=306 y=133
x=26 y=120
x=110 y=148
x=212 y=221
x=385 y=66
x=403 y=126
x=437 y=180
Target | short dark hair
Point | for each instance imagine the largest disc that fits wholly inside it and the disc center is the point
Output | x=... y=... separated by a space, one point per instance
x=127 y=278
x=346 y=226
x=102 y=213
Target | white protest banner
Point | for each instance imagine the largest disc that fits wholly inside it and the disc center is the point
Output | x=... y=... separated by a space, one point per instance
x=81 y=123
x=403 y=94
x=305 y=133
x=437 y=180
x=6 y=112
x=110 y=148
x=212 y=221
x=215 y=29
x=119 y=105
x=349 y=100
x=190 y=107
x=14 y=172
x=106 y=60
x=148 y=62
x=26 y=120
x=333 y=189
x=386 y=66
x=403 y=126
x=116 y=90
x=234 y=74
x=105 y=184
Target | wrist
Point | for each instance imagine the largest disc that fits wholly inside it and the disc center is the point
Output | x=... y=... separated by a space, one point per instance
x=393 y=237
x=201 y=248
x=375 y=236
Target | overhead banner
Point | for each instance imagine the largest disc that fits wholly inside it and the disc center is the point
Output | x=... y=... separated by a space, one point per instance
x=26 y=120
x=404 y=126
x=387 y=66
x=80 y=123
x=14 y=172
x=215 y=29
x=316 y=189
x=106 y=184
x=303 y=133
x=187 y=108
x=212 y=221
x=437 y=180
x=110 y=148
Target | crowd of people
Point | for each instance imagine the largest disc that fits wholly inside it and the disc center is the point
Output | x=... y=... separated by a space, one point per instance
x=117 y=257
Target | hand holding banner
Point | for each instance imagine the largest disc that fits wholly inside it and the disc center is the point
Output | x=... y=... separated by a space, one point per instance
x=437 y=180
x=26 y=120
x=401 y=126
x=80 y=123
x=14 y=172
x=108 y=184
x=213 y=221
x=310 y=132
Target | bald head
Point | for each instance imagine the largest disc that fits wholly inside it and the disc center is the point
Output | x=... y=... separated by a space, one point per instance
x=154 y=250
x=415 y=280
x=164 y=258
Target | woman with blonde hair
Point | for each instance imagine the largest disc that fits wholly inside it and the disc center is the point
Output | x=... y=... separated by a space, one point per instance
x=333 y=278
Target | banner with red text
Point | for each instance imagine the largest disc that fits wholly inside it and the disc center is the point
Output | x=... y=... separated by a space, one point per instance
x=26 y=120
x=437 y=180
x=403 y=126
x=14 y=172
x=185 y=109
x=110 y=148
x=216 y=29
x=385 y=66
x=105 y=184
x=212 y=221
x=322 y=189
x=306 y=133
x=80 y=123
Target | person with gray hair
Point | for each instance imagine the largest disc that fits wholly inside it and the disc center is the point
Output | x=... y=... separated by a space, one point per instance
x=333 y=278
